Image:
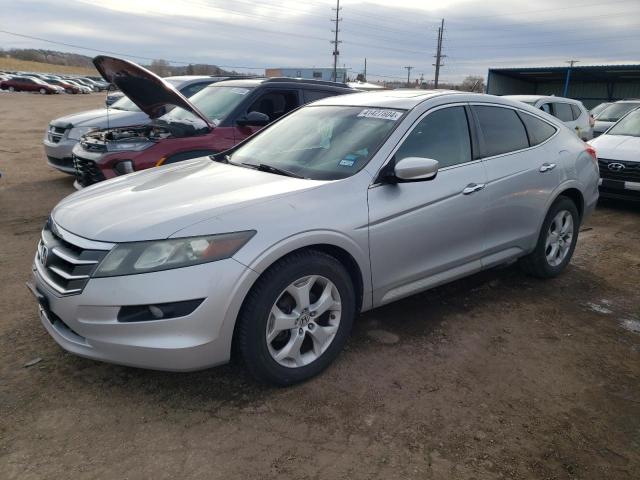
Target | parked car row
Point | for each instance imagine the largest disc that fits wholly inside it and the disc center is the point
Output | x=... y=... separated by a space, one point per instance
x=48 y=84
x=308 y=204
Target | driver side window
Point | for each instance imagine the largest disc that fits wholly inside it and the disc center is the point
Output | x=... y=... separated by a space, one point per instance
x=442 y=135
x=275 y=104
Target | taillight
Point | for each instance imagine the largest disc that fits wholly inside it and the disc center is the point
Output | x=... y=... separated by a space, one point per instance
x=592 y=121
x=592 y=151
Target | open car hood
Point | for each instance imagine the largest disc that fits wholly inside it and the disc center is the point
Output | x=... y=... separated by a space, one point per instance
x=146 y=89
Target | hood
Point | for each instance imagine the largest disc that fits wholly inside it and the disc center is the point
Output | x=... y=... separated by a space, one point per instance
x=617 y=147
x=156 y=203
x=147 y=90
x=98 y=118
x=601 y=125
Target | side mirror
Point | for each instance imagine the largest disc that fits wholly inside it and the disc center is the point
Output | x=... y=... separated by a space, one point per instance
x=254 y=119
x=415 y=169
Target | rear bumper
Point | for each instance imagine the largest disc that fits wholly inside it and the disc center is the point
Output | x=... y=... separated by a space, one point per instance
x=86 y=324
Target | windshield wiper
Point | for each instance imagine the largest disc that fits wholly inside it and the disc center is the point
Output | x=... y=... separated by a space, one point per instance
x=263 y=167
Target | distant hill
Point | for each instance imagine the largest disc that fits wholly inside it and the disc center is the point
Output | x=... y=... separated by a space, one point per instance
x=52 y=61
x=12 y=64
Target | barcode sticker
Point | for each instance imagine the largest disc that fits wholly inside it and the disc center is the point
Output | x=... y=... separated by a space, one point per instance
x=381 y=113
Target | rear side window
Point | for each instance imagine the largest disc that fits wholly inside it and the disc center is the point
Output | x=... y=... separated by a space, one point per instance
x=546 y=108
x=502 y=130
x=576 y=111
x=563 y=112
x=313 y=95
x=538 y=130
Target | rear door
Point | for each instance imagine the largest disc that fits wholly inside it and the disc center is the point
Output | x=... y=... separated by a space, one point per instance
x=522 y=173
x=425 y=233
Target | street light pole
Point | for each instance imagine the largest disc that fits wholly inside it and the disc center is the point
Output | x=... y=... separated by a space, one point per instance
x=566 y=81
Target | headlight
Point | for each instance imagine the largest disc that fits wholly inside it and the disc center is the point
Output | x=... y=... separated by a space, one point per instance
x=76 y=132
x=153 y=256
x=128 y=146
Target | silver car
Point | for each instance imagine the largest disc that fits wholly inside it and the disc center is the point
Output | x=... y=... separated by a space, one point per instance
x=569 y=111
x=275 y=245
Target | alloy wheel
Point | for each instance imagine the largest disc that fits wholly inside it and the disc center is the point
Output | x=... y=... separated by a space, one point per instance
x=559 y=238
x=303 y=321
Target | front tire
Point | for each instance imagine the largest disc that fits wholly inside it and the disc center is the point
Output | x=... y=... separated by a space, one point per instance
x=43 y=91
x=556 y=242
x=296 y=318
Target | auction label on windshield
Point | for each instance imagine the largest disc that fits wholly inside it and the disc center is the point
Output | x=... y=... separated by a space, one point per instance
x=381 y=113
x=240 y=91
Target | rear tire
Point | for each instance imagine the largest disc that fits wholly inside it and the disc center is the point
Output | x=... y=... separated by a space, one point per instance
x=556 y=242
x=284 y=340
x=12 y=89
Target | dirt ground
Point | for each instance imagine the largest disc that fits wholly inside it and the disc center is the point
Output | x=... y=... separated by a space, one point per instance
x=496 y=376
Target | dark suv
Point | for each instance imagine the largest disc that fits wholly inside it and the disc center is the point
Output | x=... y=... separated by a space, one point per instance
x=213 y=120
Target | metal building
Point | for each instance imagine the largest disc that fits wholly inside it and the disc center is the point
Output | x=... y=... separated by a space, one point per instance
x=308 y=73
x=590 y=84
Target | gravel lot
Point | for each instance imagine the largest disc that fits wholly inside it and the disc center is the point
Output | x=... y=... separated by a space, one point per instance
x=495 y=376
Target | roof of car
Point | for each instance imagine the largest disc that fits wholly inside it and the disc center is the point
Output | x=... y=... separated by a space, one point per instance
x=254 y=82
x=186 y=78
x=630 y=100
x=535 y=98
x=404 y=99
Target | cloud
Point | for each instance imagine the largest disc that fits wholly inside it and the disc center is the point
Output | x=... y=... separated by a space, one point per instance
x=253 y=33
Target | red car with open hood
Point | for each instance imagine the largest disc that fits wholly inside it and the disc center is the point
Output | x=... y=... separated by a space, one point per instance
x=215 y=119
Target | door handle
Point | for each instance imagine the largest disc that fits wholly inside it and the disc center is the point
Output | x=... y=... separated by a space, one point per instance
x=472 y=188
x=545 y=167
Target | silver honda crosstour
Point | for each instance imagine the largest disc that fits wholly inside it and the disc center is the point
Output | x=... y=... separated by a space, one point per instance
x=275 y=245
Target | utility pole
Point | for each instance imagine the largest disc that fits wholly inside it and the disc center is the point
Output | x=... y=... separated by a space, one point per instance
x=335 y=41
x=409 y=75
x=566 y=82
x=365 y=69
x=438 y=56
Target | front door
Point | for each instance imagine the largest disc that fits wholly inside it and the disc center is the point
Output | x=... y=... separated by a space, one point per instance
x=273 y=103
x=422 y=234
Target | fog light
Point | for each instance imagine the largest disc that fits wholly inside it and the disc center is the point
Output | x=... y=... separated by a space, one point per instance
x=158 y=311
x=124 y=167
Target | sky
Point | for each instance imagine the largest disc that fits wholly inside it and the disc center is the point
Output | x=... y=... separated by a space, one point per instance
x=250 y=35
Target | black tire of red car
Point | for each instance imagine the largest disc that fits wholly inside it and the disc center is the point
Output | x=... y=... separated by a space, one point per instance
x=43 y=91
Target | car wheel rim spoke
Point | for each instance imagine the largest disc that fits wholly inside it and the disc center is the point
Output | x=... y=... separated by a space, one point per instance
x=559 y=238
x=303 y=321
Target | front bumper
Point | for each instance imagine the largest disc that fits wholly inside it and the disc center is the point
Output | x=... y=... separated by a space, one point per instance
x=86 y=324
x=58 y=155
x=619 y=189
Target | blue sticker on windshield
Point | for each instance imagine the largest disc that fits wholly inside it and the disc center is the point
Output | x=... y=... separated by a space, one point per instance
x=348 y=161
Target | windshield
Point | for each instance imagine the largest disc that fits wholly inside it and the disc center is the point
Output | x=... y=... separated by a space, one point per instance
x=616 y=111
x=629 y=125
x=595 y=111
x=125 y=104
x=216 y=102
x=321 y=142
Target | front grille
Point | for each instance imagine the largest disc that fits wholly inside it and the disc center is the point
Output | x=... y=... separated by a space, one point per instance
x=87 y=172
x=55 y=134
x=630 y=172
x=65 y=267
